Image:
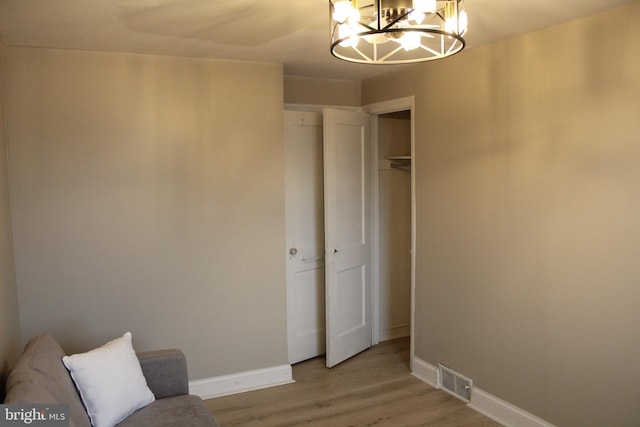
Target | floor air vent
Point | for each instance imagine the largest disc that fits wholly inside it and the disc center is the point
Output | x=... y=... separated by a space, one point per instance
x=454 y=383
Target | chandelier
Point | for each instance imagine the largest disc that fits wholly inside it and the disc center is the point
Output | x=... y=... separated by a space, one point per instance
x=396 y=31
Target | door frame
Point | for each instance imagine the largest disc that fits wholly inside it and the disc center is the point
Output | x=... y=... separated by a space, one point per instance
x=376 y=109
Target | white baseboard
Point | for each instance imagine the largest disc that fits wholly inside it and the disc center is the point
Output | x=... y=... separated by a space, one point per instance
x=503 y=412
x=481 y=401
x=240 y=382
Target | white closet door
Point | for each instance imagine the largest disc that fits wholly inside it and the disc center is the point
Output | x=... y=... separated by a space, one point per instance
x=348 y=198
x=304 y=235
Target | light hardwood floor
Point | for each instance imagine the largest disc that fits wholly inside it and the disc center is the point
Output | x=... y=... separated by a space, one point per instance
x=373 y=388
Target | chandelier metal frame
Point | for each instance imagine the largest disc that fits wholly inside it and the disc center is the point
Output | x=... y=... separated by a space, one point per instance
x=396 y=31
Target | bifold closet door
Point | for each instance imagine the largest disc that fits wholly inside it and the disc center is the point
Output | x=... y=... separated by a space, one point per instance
x=348 y=209
x=304 y=213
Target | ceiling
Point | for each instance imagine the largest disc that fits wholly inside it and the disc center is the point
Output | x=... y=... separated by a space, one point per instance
x=292 y=32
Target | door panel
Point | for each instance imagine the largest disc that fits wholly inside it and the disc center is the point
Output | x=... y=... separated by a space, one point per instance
x=310 y=285
x=347 y=196
x=351 y=316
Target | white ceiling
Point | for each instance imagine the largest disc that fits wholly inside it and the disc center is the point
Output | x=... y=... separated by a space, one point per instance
x=292 y=32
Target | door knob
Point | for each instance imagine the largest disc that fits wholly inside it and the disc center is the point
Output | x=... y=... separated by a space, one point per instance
x=293 y=251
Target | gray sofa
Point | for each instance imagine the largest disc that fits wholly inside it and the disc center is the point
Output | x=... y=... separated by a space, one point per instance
x=40 y=377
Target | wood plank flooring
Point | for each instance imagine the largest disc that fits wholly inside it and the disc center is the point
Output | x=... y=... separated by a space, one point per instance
x=375 y=388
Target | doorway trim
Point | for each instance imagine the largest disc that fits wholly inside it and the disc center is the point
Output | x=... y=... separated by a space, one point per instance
x=376 y=109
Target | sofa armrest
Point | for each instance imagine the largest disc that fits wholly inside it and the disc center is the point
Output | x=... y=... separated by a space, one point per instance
x=165 y=372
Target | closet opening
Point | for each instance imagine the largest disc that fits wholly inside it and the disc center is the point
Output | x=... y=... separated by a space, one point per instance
x=394 y=229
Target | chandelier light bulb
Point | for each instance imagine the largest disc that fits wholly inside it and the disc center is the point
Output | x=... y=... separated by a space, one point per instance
x=424 y=6
x=417 y=16
x=463 y=22
x=455 y=19
x=342 y=10
x=451 y=25
x=350 y=34
x=410 y=40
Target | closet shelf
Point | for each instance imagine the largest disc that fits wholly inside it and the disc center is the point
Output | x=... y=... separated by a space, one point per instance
x=399 y=161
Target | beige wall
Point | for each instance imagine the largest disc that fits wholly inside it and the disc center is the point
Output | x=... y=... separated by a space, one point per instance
x=528 y=217
x=314 y=91
x=9 y=320
x=147 y=195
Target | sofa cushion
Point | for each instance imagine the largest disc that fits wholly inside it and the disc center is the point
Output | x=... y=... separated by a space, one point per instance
x=40 y=377
x=110 y=380
x=177 y=411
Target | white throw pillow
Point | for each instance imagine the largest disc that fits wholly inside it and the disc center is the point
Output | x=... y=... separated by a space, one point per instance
x=110 y=381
